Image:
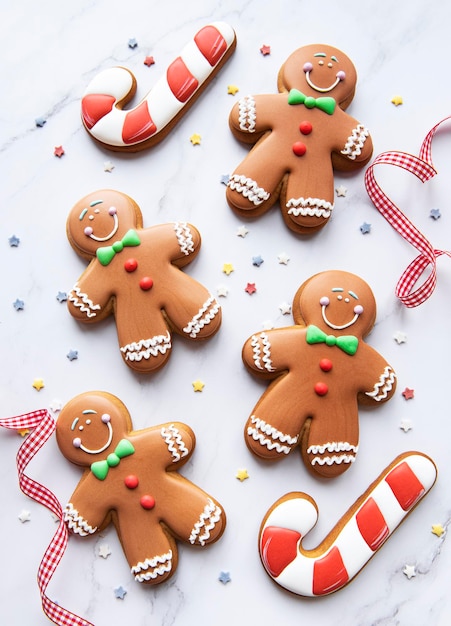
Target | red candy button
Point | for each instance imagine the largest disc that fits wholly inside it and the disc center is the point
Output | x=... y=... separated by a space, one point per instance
x=321 y=389
x=299 y=148
x=325 y=365
x=305 y=127
x=130 y=265
x=131 y=481
x=147 y=502
x=146 y=283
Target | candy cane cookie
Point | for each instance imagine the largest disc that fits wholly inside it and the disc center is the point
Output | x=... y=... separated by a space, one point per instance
x=152 y=119
x=354 y=539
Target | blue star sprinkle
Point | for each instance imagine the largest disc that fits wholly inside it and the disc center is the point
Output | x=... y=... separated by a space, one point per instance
x=132 y=43
x=61 y=296
x=40 y=121
x=18 y=304
x=257 y=260
x=225 y=179
x=14 y=241
x=120 y=592
x=224 y=578
x=365 y=228
x=435 y=214
x=72 y=355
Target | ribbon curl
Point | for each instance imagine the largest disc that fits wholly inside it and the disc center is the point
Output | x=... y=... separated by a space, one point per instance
x=423 y=169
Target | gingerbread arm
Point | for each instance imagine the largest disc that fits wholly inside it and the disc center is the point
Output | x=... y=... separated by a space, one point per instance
x=354 y=145
x=265 y=353
x=179 y=242
x=86 y=513
x=378 y=383
x=89 y=299
x=178 y=440
x=252 y=116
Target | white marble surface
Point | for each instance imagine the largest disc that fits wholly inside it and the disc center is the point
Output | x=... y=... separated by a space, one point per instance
x=50 y=50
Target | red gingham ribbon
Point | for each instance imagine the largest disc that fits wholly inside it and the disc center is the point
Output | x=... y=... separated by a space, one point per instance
x=43 y=426
x=423 y=169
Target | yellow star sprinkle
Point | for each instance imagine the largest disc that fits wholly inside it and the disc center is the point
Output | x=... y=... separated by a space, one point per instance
x=38 y=384
x=227 y=268
x=198 y=385
x=397 y=100
x=437 y=529
x=23 y=432
x=195 y=139
x=242 y=474
x=232 y=89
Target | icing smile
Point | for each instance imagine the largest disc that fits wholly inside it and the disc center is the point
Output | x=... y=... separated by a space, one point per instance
x=106 y=419
x=308 y=68
x=89 y=231
x=325 y=301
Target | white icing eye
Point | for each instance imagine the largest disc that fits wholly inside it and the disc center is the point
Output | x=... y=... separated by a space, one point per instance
x=324 y=301
x=88 y=231
x=341 y=75
x=358 y=310
x=96 y=211
x=105 y=418
x=339 y=297
x=80 y=427
x=307 y=67
x=88 y=422
x=321 y=62
x=76 y=442
x=346 y=299
x=329 y=65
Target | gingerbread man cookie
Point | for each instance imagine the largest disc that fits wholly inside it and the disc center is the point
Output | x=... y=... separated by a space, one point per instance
x=319 y=373
x=300 y=136
x=134 y=273
x=131 y=480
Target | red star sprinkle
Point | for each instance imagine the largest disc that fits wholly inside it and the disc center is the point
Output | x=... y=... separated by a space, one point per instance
x=265 y=50
x=149 y=61
x=408 y=393
x=250 y=288
x=59 y=151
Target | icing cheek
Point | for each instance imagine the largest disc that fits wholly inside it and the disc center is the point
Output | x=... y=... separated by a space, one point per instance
x=88 y=231
x=112 y=210
x=106 y=418
x=324 y=301
x=76 y=442
x=341 y=75
x=358 y=310
x=307 y=67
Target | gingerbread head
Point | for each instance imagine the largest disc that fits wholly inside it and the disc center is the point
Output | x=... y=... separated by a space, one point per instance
x=134 y=274
x=301 y=135
x=321 y=369
x=131 y=480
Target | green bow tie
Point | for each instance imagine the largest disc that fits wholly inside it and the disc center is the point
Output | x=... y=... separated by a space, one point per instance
x=100 y=468
x=347 y=343
x=106 y=253
x=325 y=103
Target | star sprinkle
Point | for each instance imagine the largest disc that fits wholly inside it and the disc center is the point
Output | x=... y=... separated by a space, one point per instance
x=120 y=592
x=61 y=296
x=365 y=228
x=38 y=384
x=104 y=550
x=40 y=121
x=56 y=405
x=396 y=100
x=198 y=385
x=409 y=571
x=285 y=308
x=132 y=43
x=405 y=425
x=195 y=139
x=225 y=179
x=435 y=214
x=400 y=337
x=283 y=258
x=242 y=231
x=267 y=325
x=265 y=50
x=222 y=291
x=242 y=475
x=232 y=89
x=19 y=304
x=23 y=432
x=408 y=393
x=108 y=166
x=24 y=516
x=437 y=529
x=224 y=578
x=149 y=61
x=227 y=268
x=14 y=241
x=58 y=151
x=72 y=355
x=341 y=191
x=250 y=288
x=257 y=260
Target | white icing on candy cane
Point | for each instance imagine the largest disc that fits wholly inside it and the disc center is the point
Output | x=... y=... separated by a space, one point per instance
x=358 y=535
x=148 y=122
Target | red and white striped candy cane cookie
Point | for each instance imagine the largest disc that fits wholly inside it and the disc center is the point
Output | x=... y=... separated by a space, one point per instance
x=355 y=538
x=152 y=119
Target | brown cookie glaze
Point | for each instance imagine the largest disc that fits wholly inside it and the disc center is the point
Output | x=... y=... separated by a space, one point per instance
x=319 y=373
x=131 y=480
x=301 y=135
